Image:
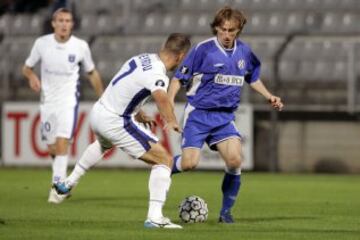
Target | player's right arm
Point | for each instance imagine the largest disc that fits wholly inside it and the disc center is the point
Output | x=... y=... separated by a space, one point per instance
x=33 y=79
x=30 y=62
x=173 y=90
x=166 y=110
x=183 y=74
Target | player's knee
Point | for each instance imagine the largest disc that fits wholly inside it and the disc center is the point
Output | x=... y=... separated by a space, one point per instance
x=234 y=162
x=189 y=164
x=165 y=159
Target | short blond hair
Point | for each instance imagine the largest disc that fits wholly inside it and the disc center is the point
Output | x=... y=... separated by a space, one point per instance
x=61 y=10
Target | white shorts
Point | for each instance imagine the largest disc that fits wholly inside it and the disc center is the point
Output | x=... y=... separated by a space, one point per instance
x=123 y=132
x=57 y=121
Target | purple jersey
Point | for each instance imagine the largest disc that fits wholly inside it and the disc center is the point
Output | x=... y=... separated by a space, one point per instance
x=214 y=76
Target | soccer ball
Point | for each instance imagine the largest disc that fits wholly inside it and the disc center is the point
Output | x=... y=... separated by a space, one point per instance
x=193 y=209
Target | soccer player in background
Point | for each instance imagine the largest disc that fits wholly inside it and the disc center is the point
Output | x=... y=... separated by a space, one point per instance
x=116 y=117
x=60 y=54
x=214 y=72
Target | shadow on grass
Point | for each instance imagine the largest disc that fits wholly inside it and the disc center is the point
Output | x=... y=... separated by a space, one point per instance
x=2 y=221
x=275 y=218
x=118 y=202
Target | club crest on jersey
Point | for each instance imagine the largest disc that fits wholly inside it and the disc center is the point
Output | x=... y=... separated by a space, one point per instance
x=71 y=58
x=241 y=64
x=184 y=70
x=160 y=83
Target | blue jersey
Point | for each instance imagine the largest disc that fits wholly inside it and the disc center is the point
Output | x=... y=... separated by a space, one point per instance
x=215 y=76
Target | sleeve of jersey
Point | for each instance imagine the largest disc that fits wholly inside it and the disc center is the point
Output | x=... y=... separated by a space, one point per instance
x=157 y=82
x=186 y=69
x=88 y=62
x=34 y=56
x=253 y=69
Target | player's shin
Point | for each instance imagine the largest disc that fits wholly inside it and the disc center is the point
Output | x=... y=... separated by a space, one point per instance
x=176 y=168
x=230 y=188
x=159 y=184
x=92 y=155
x=59 y=167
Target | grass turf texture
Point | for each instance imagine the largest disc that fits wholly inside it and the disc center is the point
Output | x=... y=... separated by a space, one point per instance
x=112 y=204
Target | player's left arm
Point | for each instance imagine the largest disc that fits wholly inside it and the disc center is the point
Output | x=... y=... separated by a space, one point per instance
x=275 y=101
x=96 y=82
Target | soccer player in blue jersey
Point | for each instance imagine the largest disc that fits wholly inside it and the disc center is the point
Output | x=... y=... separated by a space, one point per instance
x=214 y=72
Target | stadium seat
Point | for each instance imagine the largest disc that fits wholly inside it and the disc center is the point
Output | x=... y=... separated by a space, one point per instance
x=17 y=48
x=242 y=4
x=102 y=7
x=151 y=6
x=288 y=70
x=295 y=22
x=107 y=69
x=157 y=23
x=195 y=23
x=264 y=48
x=102 y=24
x=203 y=5
x=25 y=25
x=5 y=24
x=331 y=22
x=257 y=24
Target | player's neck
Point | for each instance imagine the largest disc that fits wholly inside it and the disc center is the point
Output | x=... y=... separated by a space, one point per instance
x=61 y=39
x=226 y=48
x=167 y=60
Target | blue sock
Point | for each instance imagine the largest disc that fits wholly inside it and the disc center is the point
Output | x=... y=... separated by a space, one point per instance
x=176 y=168
x=230 y=188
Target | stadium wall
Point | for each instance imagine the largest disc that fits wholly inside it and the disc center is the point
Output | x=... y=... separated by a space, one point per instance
x=324 y=146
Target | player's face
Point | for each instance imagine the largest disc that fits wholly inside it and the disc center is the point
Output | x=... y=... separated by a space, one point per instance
x=178 y=60
x=63 y=24
x=227 y=32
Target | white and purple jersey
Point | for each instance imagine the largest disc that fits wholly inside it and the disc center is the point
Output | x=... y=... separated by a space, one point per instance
x=214 y=75
x=134 y=83
x=60 y=65
x=113 y=116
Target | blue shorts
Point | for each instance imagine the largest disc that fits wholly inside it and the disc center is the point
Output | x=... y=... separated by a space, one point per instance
x=207 y=126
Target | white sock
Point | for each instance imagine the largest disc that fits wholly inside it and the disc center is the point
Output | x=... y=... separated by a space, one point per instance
x=89 y=158
x=159 y=184
x=178 y=164
x=59 y=168
x=233 y=171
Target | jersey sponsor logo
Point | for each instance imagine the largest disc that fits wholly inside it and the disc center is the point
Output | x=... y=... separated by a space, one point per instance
x=241 y=64
x=71 y=58
x=184 y=70
x=160 y=83
x=229 y=80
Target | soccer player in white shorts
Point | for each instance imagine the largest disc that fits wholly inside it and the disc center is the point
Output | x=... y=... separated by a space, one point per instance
x=60 y=54
x=116 y=118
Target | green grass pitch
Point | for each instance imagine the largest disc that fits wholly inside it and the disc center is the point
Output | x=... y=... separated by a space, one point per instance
x=112 y=204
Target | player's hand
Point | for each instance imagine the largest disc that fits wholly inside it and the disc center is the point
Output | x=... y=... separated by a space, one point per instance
x=145 y=119
x=276 y=103
x=173 y=126
x=35 y=84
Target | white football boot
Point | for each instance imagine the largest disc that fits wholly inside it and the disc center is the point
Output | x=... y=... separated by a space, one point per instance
x=161 y=223
x=58 y=193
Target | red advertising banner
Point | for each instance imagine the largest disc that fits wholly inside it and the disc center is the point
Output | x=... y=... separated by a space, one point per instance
x=22 y=144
